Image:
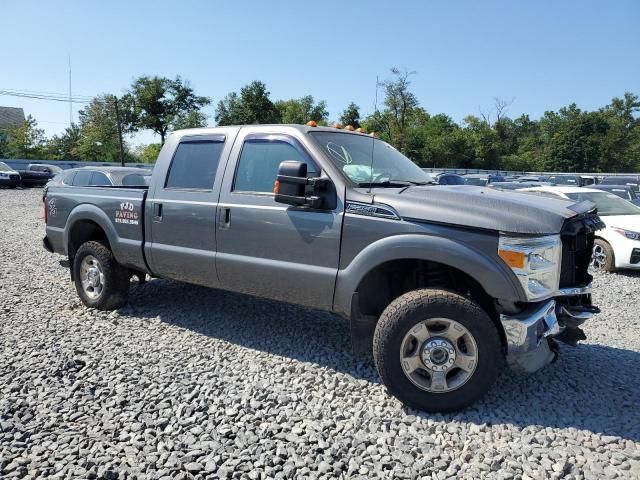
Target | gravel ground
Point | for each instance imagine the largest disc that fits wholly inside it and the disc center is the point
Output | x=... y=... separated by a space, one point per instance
x=187 y=382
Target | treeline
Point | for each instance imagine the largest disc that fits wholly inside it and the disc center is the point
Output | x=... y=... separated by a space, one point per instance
x=570 y=139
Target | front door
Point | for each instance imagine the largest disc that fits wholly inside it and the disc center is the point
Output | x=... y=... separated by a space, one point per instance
x=266 y=248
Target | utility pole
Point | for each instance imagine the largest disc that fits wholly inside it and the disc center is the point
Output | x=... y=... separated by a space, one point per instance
x=115 y=103
x=70 y=98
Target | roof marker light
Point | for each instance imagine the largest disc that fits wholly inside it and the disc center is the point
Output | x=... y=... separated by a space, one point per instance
x=311 y=123
x=350 y=128
x=360 y=130
x=338 y=126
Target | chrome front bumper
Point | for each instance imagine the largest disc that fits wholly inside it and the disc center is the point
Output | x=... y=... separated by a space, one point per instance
x=528 y=333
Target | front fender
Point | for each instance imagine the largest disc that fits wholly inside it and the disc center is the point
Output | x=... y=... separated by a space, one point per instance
x=496 y=278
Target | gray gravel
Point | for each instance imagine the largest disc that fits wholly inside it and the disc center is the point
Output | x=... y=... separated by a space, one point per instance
x=187 y=382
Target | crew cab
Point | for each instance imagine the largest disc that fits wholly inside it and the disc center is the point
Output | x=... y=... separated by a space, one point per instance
x=444 y=283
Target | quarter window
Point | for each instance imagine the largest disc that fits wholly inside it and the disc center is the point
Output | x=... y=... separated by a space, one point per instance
x=100 y=179
x=259 y=161
x=194 y=165
x=82 y=178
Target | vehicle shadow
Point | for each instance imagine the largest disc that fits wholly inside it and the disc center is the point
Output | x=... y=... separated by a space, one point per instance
x=591 y=387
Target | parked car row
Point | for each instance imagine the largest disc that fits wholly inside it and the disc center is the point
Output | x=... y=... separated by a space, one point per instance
x=35 y=175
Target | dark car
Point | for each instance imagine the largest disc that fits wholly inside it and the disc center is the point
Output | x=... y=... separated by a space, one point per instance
x=534 y=178
x=38 y=174
x=482 y=180
x=573 y=180
x=632 y=181
x=622 y=191
x=450 y=179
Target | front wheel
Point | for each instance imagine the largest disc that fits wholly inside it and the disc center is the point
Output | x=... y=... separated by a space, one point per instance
x=436 y=350
x=100 y=281
x=603 y=257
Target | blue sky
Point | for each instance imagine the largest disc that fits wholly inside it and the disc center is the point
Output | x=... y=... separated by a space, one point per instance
x=544 y=54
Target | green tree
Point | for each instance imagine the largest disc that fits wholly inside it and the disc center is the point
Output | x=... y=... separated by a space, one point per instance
x=351 y=116
x=300 y=111
x=98 y=132
x=148 y=153
x=62 y=147
x=24 y=140
x=161 y=105
x=399 y=102
x=251 y=106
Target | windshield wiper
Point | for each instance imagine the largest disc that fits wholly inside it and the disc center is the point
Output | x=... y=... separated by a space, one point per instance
x=386 y=184
x=394 y=183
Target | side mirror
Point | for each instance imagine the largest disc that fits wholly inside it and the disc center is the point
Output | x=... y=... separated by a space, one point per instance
x=294 y=188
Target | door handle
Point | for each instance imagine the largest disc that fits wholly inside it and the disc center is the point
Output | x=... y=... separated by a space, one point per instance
x=225 y=217
x=157 y=212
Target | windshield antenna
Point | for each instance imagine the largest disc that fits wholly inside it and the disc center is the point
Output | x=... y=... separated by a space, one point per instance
x=373 y=138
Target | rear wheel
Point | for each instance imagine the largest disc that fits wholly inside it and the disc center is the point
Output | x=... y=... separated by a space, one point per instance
x=603 y=257
x=436 y=350
x=100 y=281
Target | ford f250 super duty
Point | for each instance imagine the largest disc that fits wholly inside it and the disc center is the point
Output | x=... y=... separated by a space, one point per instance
x=446 y=283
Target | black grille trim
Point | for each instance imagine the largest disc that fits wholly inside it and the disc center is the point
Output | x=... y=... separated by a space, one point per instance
x=578 y=235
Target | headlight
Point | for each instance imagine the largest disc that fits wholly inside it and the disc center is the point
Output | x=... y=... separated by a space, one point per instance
x=535 y=261
x=4 y=175
x=627 y=233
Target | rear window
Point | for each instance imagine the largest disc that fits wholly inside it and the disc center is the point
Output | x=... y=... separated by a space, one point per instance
x=194 y=164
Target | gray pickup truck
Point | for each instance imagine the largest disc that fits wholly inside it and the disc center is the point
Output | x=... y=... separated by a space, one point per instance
x=446 y=283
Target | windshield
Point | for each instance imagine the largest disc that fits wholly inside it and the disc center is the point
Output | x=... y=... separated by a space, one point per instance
x=621 y=192
x=352 y=155
x=4 y=167
x=480 y=182
x=607 y=203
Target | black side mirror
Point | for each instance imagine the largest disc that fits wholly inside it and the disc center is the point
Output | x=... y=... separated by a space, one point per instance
x=292 y=187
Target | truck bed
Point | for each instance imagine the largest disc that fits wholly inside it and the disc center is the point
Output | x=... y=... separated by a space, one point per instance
x=118 y=211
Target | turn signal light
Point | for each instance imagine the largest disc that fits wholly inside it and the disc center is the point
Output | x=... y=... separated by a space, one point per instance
x=311 y=123
x=513 y=259
x=276 y=186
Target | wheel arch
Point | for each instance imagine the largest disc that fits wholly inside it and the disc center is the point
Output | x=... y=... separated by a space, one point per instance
x=491 y=274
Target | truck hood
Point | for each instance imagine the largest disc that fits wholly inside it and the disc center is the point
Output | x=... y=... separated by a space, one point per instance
x=484 y=208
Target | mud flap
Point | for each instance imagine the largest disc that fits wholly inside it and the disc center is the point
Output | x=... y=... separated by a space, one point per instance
x=362 y=328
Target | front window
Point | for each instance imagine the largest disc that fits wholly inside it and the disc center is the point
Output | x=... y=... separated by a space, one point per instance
x=369 y=161
x=622 y=193
x=259 y=161
x=607 y=203
x=479 y=182
x=4 y=167
x=564 y=180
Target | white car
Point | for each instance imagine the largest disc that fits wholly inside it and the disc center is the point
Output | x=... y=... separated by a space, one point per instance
x=618 y=245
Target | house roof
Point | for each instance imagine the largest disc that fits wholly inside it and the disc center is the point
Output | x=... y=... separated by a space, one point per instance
x=10 y=116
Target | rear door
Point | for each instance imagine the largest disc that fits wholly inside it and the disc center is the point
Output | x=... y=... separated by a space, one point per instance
x=182 y=210
x=270 y=249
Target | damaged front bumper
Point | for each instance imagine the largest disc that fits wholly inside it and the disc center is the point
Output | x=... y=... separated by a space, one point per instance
x=530 y=334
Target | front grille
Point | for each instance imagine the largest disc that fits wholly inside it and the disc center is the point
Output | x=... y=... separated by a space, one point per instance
x=577 y=247
x=14 y=177
x=635 y=256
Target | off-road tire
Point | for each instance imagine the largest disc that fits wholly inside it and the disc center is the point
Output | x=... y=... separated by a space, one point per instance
x=115 y=291
x=610 y=263
x=406 y=312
